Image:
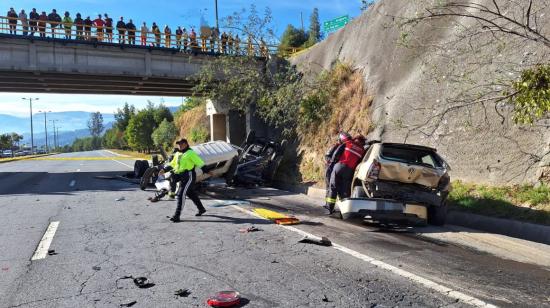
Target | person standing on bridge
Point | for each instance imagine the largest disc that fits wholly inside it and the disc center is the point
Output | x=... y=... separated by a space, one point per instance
x=224 y=42
x=55 y=21
x=121 y=26
x=42 y=22
x=183 y=167
x=167 y=36
x=179 y=33
x=108 y=27
x=24 y=22
x=193 y=38
x=156 y=33
x=33 y=21
x=237 y=43
x=79 y=25
x=12 y=21
x=131 y=28
x=99 y=25
x=68 y=25
x=144 y=33
x=88 y=23
x=185 y=37
x=213 y=37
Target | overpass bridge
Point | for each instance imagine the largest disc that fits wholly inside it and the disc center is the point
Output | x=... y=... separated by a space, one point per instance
x=35 y=65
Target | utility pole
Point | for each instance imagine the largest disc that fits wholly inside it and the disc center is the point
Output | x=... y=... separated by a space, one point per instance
x=217 y=23
x=32 y=132
x=45 y=130
x=302 y=18
x=54 y=134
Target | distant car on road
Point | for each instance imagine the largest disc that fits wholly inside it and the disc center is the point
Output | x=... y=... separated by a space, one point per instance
x=7 y=153
x=399 y=180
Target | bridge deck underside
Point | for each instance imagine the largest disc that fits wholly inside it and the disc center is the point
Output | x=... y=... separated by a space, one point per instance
x=33 y=82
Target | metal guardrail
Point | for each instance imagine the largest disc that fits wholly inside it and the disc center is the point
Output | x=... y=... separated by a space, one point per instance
x=39 y=29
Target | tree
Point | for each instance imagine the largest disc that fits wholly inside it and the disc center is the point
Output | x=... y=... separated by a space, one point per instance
x=123 y=116
x=162 y=113
x=292 y=38
x=114 y=138
x=366 y=4
x=95 y=124
x=15 y=139
x=314 y=29
x=139 y=130
x=484 y=33
x=5 y=141
x=165 y=134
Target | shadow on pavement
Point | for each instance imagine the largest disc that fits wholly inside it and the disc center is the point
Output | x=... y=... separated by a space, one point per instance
x=47 y=183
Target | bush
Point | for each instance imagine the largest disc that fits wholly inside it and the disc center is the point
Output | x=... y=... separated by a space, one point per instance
x=199 y=135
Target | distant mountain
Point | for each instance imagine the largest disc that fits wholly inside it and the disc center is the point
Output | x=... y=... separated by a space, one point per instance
x=64 y=137
x=68 y=121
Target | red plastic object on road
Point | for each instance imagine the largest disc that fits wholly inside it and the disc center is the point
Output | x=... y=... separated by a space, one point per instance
x=224 y=299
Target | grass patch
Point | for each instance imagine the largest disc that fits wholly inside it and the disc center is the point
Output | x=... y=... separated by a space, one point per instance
x=526 y=202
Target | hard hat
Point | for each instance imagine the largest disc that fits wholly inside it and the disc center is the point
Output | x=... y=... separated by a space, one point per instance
x=343 y=137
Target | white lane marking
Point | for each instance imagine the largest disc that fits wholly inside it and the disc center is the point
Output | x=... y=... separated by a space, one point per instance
x=395 y=270
x=131 y=167
x=116 y=154
x=42 y=249
x=72 y=183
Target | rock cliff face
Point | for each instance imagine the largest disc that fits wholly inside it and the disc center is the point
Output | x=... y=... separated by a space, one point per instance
x=432 y=85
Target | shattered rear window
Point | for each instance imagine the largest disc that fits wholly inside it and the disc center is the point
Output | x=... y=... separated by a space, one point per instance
x=411 y=156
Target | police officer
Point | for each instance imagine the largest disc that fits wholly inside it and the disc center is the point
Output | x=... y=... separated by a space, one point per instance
x=349 y=155
x=183 y=168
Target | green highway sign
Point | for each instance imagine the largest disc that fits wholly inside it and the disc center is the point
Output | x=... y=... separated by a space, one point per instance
x=335 y=24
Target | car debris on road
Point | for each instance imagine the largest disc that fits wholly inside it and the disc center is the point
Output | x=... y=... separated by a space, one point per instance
x=324 y=241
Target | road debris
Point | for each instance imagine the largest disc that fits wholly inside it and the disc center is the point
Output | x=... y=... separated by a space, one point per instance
x=324 y=241
x=278 y=218
x=325 y=299
x=52 y=252
x=224 y=299
x=143 y=283
x=120 y=199
x=250 y=229
x=182 y=293
x=130 y=304
x=96 y=268
x=224 y=203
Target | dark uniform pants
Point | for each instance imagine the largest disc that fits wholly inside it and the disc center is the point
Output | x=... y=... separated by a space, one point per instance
x=186 y=189
x=340 y=183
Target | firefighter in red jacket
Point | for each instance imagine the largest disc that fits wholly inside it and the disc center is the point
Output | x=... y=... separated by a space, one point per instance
x=348 y=155
x=331 y=159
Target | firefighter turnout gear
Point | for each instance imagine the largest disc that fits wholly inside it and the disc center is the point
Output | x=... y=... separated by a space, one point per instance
x=349 y=156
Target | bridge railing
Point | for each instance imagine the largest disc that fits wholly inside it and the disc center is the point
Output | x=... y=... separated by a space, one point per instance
x=47 y=30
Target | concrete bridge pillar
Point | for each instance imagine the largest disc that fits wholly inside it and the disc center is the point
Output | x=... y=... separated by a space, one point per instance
x=226 y=124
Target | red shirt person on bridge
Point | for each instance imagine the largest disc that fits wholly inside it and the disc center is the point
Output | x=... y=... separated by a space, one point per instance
x=99 y=24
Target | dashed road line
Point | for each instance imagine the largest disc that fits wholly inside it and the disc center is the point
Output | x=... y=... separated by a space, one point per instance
x=44 y=245
x=432 y=285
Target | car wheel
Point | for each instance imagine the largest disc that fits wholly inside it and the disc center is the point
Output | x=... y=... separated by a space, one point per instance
x=146 y=178
x=140 y=166
x=437 y=215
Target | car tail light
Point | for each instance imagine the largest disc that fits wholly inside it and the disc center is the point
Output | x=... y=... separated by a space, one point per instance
x=374 y=170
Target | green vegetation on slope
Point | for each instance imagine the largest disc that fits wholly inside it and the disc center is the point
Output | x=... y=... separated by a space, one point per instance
x=526 y=202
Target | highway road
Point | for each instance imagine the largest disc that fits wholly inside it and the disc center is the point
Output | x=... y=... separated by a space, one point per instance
x=99 y=233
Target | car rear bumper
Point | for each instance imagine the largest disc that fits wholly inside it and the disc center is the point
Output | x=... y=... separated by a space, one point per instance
x=410 y=193
x=380 y=208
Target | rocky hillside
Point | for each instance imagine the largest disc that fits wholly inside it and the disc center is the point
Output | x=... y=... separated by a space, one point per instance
x=433 y=83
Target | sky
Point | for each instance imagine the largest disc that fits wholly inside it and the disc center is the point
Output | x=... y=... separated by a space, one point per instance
x=172 y=12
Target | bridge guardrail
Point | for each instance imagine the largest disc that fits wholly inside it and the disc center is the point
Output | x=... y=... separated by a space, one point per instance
x=47 y=30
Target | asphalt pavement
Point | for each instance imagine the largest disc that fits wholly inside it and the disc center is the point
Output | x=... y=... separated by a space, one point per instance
x=108 y=233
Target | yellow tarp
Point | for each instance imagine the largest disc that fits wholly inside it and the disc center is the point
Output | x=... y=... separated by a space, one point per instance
x=279 y=218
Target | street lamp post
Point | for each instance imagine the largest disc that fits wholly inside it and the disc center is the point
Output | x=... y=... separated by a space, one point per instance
x=45 y=130
x=32 y=133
